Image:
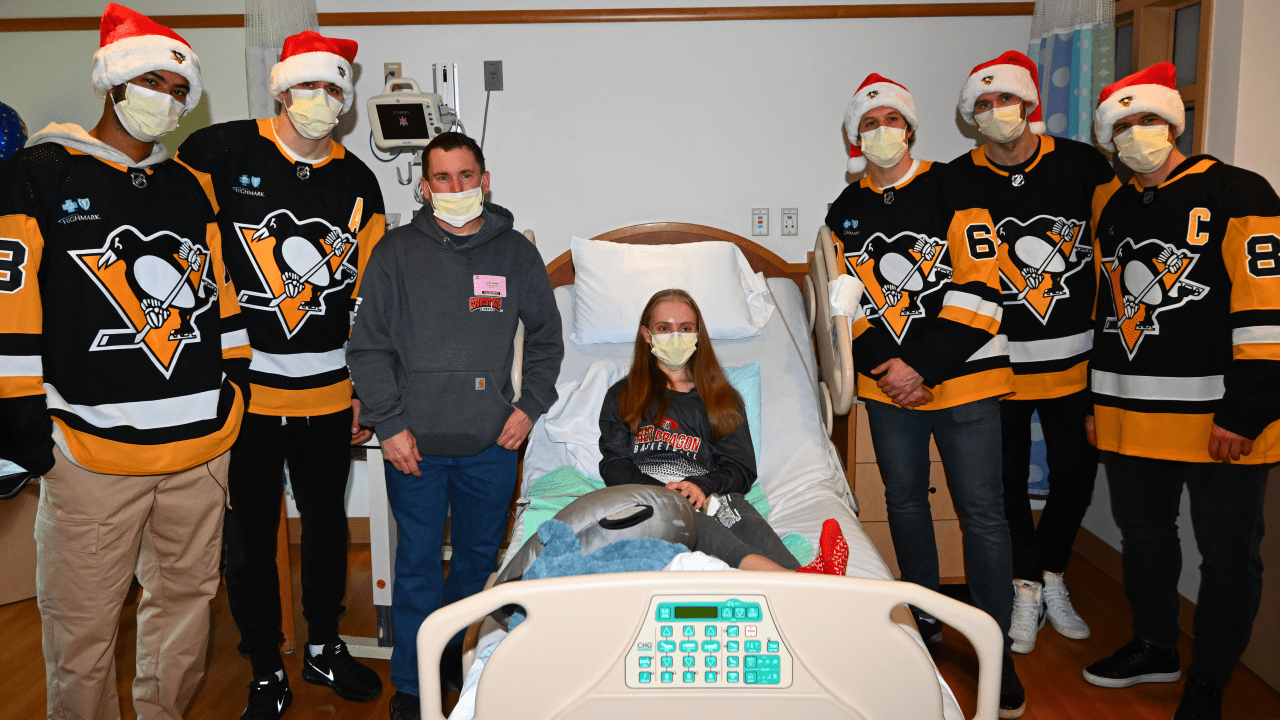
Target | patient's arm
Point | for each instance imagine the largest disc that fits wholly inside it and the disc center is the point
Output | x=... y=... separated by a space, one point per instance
x=734 y=459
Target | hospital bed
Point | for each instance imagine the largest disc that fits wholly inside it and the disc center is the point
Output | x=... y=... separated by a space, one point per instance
x=820 y=646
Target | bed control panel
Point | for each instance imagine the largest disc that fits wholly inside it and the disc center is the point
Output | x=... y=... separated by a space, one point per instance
x=708 y=641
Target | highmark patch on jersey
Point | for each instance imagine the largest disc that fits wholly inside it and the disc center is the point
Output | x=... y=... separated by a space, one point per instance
x=898 y=272
x=1147 y=279
x=298 y=263
x=158 y=284
x=1037 y=257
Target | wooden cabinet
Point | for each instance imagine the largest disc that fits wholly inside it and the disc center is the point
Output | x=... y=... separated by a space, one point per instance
x=864 y=479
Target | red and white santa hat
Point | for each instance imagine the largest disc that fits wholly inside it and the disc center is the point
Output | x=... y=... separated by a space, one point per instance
x=876 y=91
x=1154 y=90
x=309 y=57
x=132 y=44
x=1013 y=73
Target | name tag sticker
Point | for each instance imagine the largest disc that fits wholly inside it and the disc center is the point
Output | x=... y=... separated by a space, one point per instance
x=493 y=285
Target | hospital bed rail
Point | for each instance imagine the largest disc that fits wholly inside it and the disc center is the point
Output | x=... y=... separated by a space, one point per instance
x=848 y=654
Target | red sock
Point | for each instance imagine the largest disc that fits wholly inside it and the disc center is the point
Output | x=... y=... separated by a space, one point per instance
x=833 y=558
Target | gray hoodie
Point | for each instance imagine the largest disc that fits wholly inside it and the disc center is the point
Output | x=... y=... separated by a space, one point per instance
x=431 y=345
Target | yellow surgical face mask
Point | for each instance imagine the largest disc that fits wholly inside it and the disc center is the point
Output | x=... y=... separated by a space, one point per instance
x=458 y=209
x=674 y=349
x=1144 y=148
x=1002 y=124
x=884 y=146
x=313 y=112
x=147 y=115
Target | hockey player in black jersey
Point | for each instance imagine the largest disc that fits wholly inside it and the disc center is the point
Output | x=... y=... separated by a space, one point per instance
x=123 y=378
x=301 y=216
x=1185 y=374
x=1042 y=192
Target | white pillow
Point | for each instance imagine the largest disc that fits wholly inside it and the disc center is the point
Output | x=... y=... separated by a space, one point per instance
x=614 y=281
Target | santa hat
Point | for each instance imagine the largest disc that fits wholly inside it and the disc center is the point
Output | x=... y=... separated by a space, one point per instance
x=876 y=91
x=1013 y=73
x=1154 y=90
x=310 y=56
x=132 y=44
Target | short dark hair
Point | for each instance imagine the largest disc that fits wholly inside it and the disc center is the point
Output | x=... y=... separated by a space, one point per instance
x=452 y=141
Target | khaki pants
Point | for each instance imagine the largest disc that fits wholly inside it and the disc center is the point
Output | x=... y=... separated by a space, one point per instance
x=93 y=533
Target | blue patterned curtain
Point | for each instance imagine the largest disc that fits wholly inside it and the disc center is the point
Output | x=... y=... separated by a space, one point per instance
x=1073 y=44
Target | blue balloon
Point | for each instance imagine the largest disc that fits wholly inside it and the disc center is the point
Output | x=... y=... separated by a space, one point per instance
x=13 y=132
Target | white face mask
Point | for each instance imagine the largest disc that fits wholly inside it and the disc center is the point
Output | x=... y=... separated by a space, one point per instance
x=458 y=209
x=146 y=114
x=313 y=112
x=673 y=349
x=1144 y=148
x=884 y=146
x=1002 y=124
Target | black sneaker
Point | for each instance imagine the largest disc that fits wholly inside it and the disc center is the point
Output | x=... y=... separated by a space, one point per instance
x=1013 y=699
x=1201 y=700
x=405 y=707
x=269 y=697
x=1137 y=662
x=335 y=668
x=930 y=627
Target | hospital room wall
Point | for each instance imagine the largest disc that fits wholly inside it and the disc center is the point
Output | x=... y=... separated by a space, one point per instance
x=600 y=125
x=1243 y=96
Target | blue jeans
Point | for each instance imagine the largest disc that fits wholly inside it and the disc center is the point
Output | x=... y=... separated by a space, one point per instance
x=477 y=489
x=968 y=437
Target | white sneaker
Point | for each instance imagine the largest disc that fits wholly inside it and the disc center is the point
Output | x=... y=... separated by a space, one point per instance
x=1057 y=602
x=1027 y=617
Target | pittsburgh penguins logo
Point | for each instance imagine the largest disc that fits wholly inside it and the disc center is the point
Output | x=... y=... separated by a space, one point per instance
x=1126 y=101
x=298 y=263
x=1035 y=259
x=988 y=79
x=872 y=94
x=897 y=273
x=159 y=284
x=342 y=72
x=1147 y=279
x=179 y=56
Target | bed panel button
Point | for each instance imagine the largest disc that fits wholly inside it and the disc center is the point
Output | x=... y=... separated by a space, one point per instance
x=732 y=661
x=731 y=677
x=731 y=631
x=689 y=646
x=731 y=646
x=688 y=631
x=709 y=661
x=710 y=631
x=646 y=677
x=666 y=646
x=646 y=661
x=668 y=677
x=710 y=646
x=753 y=646
x=726 y=613
x=753 y=612
x=772 y=646
x=664 y=613
x=667 y=631
x=668 y=661
x=710 y=677
x=750 y=678
x=751 y=661
x=690 y=661
x=691 y=677
x=739 y=613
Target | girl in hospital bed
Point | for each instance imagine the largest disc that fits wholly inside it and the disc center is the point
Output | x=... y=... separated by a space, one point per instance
x=675 y=421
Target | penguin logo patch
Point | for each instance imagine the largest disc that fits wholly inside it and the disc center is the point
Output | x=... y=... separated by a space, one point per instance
x=873 y=94
x=1126 y=101
x=988 y=79
x=1037 y=257
x=1147 y=279
x=897 y=273
x=159 y=284
x=298 y=264
x=179 y=56
x=342 y=72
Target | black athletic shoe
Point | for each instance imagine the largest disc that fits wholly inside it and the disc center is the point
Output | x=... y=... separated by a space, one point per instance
x=335 y=668
x=269 y=697
x=1201 y=700
x=930 y=627
x=1137 y=662
x=1013 y=699
x=405 y=707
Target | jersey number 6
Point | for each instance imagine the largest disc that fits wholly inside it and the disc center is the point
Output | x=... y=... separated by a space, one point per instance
x=981 y=245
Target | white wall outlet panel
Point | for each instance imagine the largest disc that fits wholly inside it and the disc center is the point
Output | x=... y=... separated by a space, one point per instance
x=390 y=70
x=790 y=221
x=759 y=221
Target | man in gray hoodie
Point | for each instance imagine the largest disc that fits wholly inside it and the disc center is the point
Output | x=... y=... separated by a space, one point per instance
x=430 y=355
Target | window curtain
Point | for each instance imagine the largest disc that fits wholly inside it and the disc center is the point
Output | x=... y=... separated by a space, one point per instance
x=266 y=25
x=1073 y=45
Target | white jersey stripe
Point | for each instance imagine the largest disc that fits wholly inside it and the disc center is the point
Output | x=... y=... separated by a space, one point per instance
x=969 y=301
x=1052 y=349
x=235 y=338
x=1255 y=334
x=996 y=347
x=1150 y=387
x=298 y=364
x=21 y=366
x=145 y=414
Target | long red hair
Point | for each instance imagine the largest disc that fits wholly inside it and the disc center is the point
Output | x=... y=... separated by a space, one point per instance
x=647 y=384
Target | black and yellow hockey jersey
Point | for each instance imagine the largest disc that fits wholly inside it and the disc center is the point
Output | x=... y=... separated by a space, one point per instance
x=926 y=253
x=121 y=333
x=1188 y=329
x=1044 y=211
x=298 y=237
